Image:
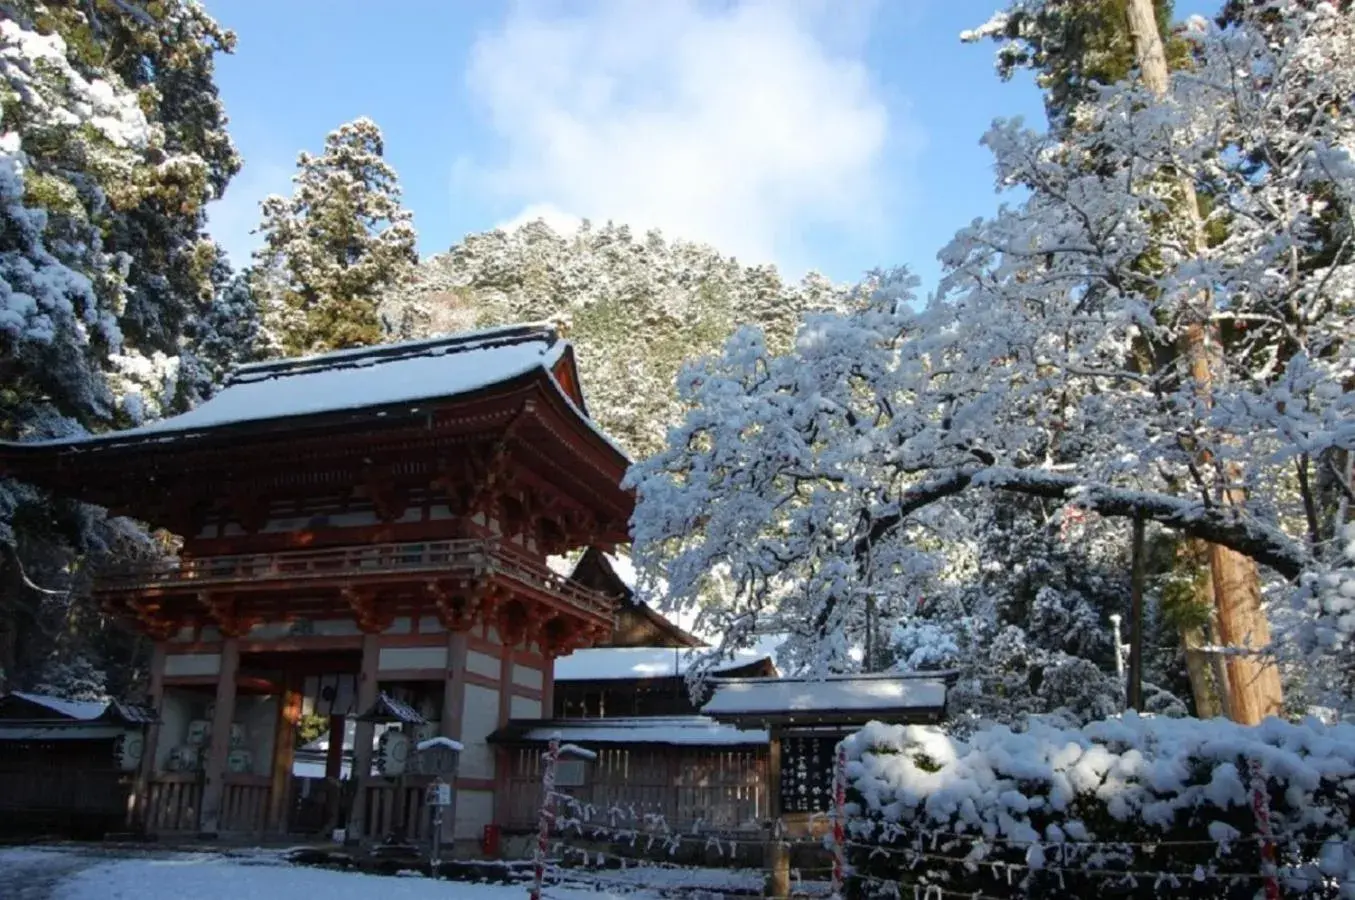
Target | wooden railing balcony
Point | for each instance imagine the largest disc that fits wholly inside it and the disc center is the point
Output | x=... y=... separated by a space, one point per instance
x=460 y=558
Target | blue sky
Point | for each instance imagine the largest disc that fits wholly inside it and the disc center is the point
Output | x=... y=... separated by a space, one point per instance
x=833 y=135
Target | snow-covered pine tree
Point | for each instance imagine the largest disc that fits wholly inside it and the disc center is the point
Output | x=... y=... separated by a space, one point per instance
x=636 y=309
x=112 y=140
x=335 y=247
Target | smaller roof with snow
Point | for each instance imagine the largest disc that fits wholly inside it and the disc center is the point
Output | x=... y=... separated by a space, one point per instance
x=838 y=700
x=27 y=706
x=627 y=663
x=686 y=731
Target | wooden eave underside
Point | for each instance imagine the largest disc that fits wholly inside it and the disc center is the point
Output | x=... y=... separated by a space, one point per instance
x=155 y=480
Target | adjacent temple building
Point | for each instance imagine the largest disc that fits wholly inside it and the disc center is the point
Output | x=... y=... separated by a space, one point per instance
x=380 y=516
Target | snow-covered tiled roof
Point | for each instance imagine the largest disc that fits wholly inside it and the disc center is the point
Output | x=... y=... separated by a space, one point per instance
x=839 y=696
x=111 y=712
x=80 y=710
x=367 y=377
x=619 y=663
x=694 y=731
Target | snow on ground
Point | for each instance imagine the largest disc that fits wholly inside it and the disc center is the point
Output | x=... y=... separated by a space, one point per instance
x=212 y=877
x=94 y=873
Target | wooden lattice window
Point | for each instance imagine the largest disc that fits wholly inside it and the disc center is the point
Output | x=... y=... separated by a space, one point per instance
x=807 y=773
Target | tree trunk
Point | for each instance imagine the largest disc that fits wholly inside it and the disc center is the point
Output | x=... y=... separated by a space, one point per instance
x=1207 y=700
x=1255 y=690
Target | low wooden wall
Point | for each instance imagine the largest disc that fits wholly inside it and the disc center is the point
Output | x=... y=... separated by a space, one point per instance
x=708 y=788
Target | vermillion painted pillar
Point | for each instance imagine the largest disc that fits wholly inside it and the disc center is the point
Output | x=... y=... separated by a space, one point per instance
x=454 y=694
x=362 y=736
x=138 y=813
x=284 y=751
x=453 y=711
x=214 y=779
x=502 y=760
x=548 y=688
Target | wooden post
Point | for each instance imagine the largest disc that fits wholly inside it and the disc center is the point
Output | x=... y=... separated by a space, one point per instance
x=777 y=855
x=137 y=805
x=284 y=751
x=214 y=777
x=362 y=738
x=334 y=752
x=1135 y=691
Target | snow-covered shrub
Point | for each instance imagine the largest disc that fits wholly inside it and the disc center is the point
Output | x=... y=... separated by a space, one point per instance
x=1056 y=812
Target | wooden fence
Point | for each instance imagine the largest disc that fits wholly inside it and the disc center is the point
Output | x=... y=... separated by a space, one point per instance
x=702 y=787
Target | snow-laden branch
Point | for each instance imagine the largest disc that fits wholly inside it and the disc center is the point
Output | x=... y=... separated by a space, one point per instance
x=1216 y=525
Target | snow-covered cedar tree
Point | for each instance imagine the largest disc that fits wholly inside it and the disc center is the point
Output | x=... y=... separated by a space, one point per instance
x=335 y=247
x=838 y=477
x=112 y=140
x=1074 y=47
x=73 y=677
x=1062 y=813
x=635 y=308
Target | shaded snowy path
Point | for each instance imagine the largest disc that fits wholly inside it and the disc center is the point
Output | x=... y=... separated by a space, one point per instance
x=36 y=874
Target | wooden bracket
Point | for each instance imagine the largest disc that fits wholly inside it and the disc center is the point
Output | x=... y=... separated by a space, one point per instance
x=224 y=612
x=368 y=611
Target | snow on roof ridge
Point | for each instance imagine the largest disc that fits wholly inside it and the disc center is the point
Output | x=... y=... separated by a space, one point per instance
x=625 y=663
x=459 y=341
x=902 y=691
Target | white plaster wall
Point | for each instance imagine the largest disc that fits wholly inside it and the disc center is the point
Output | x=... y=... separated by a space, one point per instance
x=478 y=720
x=192 y=664
x=527 y=676
x=430 y=625
x=474 y=810
x=524 y=708
x=183 y=635
x=400 y=625
x=393 y=658
x=483 y=664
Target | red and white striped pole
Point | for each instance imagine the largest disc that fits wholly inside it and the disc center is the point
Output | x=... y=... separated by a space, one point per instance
x=546 y=817
x=1260 y=807
x=839 y=820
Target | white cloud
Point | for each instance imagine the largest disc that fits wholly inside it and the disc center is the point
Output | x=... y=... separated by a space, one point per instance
x=743 y=124
x=231 y=219
x=560 y=221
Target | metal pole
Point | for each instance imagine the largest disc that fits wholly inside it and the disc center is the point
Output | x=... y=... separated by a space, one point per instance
x=1135 y=692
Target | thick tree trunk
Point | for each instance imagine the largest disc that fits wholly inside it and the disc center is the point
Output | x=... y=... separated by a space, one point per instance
x=1255 y=690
